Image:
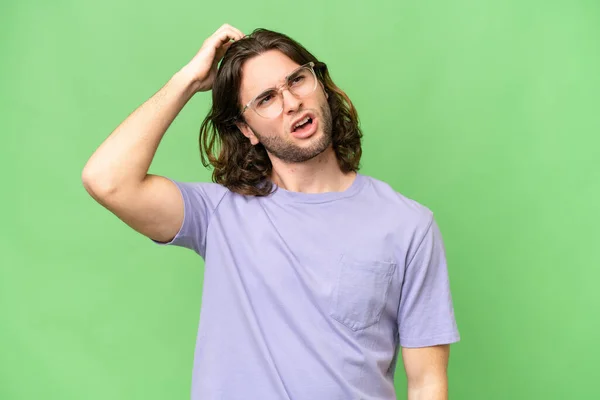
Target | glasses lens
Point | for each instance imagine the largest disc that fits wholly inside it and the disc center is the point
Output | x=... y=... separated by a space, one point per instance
x=268 y=105
x=302 y=82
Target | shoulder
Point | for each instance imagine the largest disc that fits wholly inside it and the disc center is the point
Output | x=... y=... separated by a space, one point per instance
x=208 y=188
x=393 y=202
x=410 y=220
x=203 y=193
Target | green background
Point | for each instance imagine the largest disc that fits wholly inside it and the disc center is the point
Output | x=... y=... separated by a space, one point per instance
x=485 y=111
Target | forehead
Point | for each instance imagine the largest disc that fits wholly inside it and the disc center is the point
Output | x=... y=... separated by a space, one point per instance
x=264 y=71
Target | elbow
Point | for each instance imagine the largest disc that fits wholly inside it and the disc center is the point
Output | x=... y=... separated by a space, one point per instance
x=98 y=185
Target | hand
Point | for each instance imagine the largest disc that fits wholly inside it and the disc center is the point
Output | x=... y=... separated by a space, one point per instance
x=202 y=69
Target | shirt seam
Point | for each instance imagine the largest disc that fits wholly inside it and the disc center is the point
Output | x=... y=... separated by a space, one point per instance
x=286 y=199
x=210 y=217
x=429 y=225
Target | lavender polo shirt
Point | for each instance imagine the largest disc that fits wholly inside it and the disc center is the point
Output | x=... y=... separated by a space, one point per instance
x=309 y=296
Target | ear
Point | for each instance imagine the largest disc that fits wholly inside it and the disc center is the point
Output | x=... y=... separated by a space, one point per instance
x=247 y=131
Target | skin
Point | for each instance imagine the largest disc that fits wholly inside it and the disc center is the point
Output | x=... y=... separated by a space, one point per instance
x=426 y=372
x=303 y=165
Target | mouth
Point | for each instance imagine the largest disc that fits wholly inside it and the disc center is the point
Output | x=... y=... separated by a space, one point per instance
x=304 y=125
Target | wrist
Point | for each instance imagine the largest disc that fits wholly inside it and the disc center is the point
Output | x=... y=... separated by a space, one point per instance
x=187 y=81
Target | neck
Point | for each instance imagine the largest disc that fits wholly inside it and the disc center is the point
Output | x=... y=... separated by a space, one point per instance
x=318 y=175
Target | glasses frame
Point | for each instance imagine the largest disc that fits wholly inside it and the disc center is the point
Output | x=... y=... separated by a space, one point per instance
x=310 y=65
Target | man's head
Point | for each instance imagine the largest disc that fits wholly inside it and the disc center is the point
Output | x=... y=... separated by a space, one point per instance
x=278 y=94
x=272 y=98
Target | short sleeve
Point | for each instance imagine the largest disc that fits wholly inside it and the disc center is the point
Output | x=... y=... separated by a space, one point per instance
x=200 y=200
x=426 y=313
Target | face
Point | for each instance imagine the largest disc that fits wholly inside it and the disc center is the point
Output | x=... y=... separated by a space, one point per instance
x=279 y=135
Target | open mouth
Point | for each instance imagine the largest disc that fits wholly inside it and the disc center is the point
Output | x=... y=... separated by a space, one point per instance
x=303 y=125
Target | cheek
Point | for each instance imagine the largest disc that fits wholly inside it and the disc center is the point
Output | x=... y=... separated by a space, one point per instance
x=268 y=128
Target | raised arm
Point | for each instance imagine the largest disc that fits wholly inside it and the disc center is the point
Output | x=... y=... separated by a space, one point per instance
x=116 y=175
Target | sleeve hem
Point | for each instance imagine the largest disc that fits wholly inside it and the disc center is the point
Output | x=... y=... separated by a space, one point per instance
x=430 y=341
x=183 y=222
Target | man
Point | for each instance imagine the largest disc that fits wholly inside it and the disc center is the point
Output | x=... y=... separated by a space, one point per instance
x=315 y=274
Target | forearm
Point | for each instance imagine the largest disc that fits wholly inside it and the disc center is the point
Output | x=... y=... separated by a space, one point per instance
x=124 y=158
x=434 y=388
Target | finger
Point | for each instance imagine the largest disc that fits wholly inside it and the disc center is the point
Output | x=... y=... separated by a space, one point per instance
x=235 y=33
x=226 y=46
x=240 y=33
x=224 y=36
x=218 y=39
x=222 y=50
x=227 y=26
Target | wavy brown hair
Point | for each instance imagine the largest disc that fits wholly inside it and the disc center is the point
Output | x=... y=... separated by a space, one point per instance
x=241 y=166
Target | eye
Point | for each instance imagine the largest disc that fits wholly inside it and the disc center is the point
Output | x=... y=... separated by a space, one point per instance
x=265 y=99
x=297 y=79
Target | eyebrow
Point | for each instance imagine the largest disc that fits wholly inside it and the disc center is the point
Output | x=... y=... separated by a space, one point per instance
x=272 y=88
x=264 y=93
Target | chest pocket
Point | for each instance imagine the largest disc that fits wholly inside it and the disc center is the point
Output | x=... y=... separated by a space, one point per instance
x=360 y=292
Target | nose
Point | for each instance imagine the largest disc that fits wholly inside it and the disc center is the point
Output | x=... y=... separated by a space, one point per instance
x=291 y=103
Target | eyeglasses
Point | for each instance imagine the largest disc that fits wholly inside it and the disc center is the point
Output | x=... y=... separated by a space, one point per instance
x=269 y=104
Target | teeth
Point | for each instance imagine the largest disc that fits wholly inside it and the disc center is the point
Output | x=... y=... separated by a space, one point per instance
x=303 y=121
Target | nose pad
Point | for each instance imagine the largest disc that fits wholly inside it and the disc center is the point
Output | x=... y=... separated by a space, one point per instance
x=290 y=102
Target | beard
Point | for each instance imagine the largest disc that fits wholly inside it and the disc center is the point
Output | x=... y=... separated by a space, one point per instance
x=288 y=152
